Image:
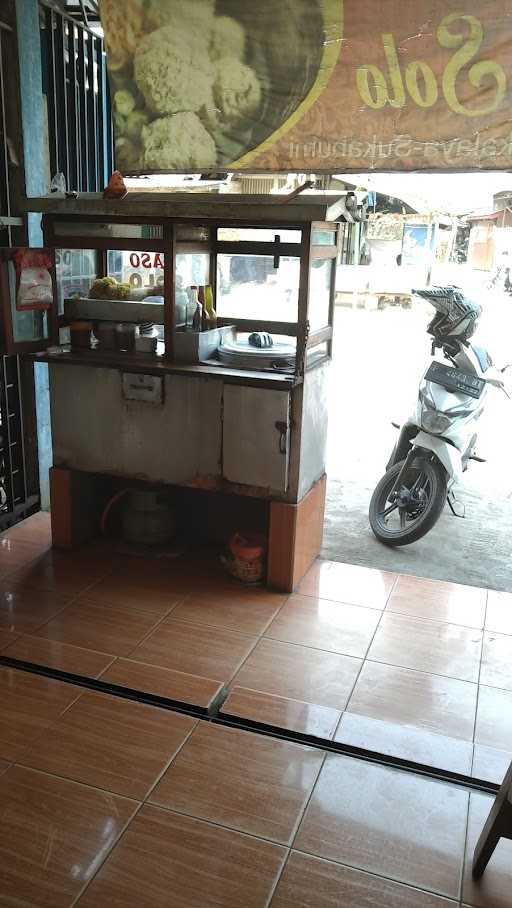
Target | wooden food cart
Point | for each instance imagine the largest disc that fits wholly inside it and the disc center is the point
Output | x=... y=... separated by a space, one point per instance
x=250 y=442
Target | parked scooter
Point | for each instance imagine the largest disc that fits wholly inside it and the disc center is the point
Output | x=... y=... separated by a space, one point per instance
x=438 y=441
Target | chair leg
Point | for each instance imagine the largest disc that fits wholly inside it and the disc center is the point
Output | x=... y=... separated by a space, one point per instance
x=498 y=825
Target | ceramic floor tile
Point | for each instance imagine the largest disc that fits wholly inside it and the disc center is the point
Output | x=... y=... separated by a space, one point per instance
x=68 y=574
x=245 y=613
x=163 y=682
x=28 y=706
x=25 y=610
x=441 y=705
x=295 y=715
x=298 y=673
x=54 y=835
x=494 y=718
x=392 y=823
x=428 y=646
x=348 y=583
x=440 y=601
x=111 y=743
x=15 y=553
x=106 y=629
x=490 y=764
x=242 y=780
x=210 y=652
x=320 y=623
x=165 y=859
x=309 y=882
x=61 y=656
x=406 y=742
x=36 y=529
x=148 y=592
x=494 y=889
x=497 y=661
x=7 y=636
x=499 y=612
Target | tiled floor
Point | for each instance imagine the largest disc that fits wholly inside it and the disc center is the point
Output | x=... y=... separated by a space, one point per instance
x=119 y=803
x=400 y=665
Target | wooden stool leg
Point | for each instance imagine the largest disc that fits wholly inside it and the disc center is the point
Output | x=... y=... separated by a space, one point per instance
x=498 y=825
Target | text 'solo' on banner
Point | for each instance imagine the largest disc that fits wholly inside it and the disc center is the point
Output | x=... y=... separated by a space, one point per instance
x=309 y=85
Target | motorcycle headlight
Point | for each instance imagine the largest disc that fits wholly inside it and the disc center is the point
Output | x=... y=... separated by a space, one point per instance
x=435 y=422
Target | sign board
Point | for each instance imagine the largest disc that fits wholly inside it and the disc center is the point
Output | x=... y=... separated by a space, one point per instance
x=309 y=85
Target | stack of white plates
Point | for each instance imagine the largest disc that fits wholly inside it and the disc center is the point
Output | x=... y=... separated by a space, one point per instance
x=240 y=354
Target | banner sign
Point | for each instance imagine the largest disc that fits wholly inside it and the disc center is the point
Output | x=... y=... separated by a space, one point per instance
x=310 y=85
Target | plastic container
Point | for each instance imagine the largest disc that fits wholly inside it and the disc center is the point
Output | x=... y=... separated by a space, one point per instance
x=247 y=557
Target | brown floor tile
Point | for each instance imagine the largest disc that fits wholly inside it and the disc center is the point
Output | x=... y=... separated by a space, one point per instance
x=28 y=707
x=7 y=636
x=238 y=779
x=54 y=835
x=494 y=890
x=111 y=743
x=326 y=625
x=309 y=882
x=36 y=529
x=428 y=646
x=26 y=610
x=163 y=682
x=490 y=764
x=165 y=859
x=308 y=718
x=245 y=613
x=298 y=673
x=407 y=742
x=494 y=718
x=107 y=629
x=499 y=612
x=210 y=652
x=387 y=822
x=15 y=553
x=439 y=601
x=442 y=705
x=66 y=573
x=145 y=591
x=497 y=661
x=348 y=583
x=62 y=656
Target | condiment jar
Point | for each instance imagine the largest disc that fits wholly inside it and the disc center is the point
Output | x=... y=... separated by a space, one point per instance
x=80 y=334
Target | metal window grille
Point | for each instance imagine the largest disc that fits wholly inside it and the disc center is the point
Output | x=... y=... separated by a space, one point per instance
x=75 y=84
x=15 y=502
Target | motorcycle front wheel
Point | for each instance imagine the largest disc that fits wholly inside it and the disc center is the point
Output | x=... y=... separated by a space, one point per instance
x=404 y=516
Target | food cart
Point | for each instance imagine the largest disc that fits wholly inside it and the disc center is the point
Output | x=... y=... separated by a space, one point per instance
x=238 y=432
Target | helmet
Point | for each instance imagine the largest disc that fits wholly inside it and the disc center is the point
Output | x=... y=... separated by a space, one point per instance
x=456 y=314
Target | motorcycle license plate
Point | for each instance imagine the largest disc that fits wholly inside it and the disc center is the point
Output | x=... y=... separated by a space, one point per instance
x=454 y=380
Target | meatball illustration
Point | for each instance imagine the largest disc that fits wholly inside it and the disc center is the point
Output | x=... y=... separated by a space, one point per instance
x=236 y=90
x=171 y=72
x=178 y=143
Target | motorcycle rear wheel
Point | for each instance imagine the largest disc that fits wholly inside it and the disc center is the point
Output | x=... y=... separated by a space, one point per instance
x=431 y=477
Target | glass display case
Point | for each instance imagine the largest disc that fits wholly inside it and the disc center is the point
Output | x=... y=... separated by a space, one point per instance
x=206 y=291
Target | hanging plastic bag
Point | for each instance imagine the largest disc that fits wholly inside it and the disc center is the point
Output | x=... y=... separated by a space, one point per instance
x=34 y=285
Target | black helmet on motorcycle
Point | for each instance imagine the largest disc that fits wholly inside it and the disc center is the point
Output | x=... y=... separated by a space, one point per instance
x=456 y=314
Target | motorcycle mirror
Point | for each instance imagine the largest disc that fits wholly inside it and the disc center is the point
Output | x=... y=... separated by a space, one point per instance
x=507 y=367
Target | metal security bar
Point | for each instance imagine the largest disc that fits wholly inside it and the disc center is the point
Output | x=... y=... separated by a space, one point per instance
x=75 y=84
x=15 y=501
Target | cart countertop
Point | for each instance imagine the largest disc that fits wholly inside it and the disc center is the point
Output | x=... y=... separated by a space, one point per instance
x=124 y=362
x=182 y=205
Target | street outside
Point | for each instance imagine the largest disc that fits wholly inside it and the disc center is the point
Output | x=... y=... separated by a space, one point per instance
x=379 y=357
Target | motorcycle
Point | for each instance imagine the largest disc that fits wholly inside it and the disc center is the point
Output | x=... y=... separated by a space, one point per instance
x=436 y=444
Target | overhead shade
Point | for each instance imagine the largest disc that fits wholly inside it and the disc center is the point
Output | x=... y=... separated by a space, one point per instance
x=309 y=85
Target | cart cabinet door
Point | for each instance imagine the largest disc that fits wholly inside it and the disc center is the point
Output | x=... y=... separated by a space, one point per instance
x=256 y=437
